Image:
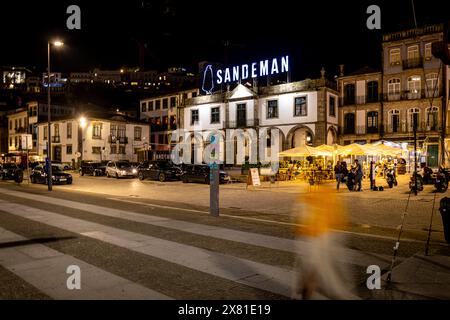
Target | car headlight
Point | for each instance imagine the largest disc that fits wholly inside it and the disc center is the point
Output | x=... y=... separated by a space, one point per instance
x=134 y=171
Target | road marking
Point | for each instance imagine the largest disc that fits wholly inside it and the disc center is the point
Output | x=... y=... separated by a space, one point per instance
x=45 y=269
x=266 y=221
x=290 y=245
x=254 y=274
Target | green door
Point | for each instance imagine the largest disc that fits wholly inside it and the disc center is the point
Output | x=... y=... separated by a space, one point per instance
x=432 y=155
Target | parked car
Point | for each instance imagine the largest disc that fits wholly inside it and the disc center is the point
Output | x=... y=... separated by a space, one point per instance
x=8 y=171
x=39 y=175
x=200 y=173
x=159 y=170
x=62 y=166
x=120 y=169
x=93 y=168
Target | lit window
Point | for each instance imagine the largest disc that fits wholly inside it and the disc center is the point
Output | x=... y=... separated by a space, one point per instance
x=394 y=56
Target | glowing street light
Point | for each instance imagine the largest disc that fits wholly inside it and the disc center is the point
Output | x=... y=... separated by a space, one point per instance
x=83 y=122
x=56 y=43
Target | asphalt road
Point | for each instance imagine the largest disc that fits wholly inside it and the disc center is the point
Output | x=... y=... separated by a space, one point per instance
x=155 y=240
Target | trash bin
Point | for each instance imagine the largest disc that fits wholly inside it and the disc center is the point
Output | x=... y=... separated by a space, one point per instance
x=444 y=209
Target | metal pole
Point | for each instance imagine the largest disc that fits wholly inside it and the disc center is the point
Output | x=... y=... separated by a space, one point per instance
x=415 y=154
x=49 y=136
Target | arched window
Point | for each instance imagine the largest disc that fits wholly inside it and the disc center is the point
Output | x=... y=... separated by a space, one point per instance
x=413 y=118
x=432 y=118
x=414 y=87
x=394 y=121
x=349 y=123
x=432 y=85
x=349 y=94
x=372 y=91
x=394 y=89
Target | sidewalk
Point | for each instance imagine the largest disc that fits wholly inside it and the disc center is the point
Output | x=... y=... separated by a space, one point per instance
x=419 y=277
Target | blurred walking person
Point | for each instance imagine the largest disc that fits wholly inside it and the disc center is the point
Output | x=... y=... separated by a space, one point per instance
x=321 y=272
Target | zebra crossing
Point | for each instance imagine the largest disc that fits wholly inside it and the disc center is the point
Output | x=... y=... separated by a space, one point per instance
x=45 y=268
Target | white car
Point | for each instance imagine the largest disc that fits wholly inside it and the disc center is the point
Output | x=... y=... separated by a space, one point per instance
x=120 y=169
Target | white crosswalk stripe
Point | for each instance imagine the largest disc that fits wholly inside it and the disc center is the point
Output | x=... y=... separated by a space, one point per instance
x=347 y=255
x=253 y=274
x=45 y=268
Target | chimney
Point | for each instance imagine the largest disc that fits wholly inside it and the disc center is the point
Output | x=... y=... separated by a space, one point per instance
x=341 y=70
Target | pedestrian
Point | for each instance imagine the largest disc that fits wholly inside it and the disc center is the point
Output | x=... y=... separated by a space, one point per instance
x=338 y=174
x=358 y=175
x=319 y=269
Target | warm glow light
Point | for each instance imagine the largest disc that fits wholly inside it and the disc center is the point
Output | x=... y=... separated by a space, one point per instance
x=58 y=43
x=83 y=122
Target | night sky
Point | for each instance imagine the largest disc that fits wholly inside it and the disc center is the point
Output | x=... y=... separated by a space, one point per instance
x=182 y=33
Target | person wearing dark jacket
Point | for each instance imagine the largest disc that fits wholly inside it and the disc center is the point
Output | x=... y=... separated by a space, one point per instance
x=338 y=174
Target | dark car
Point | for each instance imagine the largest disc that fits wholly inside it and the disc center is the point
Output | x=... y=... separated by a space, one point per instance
x=159 y=170
x=200 y=173
x=93 y=168
x=8 y=171
x=39 y=175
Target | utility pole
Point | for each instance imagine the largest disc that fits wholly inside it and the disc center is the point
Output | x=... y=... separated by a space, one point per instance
x=415 y=152
x=214 y=177
x=49 y=136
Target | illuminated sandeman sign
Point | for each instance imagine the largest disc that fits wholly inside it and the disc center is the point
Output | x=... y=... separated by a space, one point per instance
x=263 y=68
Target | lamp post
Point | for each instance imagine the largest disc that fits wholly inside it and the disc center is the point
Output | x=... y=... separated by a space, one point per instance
x=49 y=137
x=82 y=124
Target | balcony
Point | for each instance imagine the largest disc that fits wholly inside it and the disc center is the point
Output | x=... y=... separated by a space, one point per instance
x=21 y=130
x=423 y=127
x=56 y=139
x=407 y=95
x=116 y=139
x=359 y=100
x=358 y=130
x=412 y=63
x=249 y=123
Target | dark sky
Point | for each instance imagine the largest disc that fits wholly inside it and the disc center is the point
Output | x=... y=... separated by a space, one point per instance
x=176 y=32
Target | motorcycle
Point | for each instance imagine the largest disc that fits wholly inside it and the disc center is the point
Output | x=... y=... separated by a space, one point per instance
x=442 y=179
x=412 y=182
x=391 y=177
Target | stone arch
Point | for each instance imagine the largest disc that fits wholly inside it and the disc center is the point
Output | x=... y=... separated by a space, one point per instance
x=297 y=136
x=196 y=142
x=281 y=142
x=332 y=136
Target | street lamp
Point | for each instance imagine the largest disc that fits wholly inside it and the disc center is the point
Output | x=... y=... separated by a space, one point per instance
x=49 y=141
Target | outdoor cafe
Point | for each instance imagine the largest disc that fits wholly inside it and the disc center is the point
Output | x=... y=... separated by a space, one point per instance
x=315 y=164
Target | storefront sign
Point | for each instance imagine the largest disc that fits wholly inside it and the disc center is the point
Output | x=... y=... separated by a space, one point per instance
x=215 y=76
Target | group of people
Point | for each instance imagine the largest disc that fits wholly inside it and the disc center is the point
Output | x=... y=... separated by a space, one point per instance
x=343 y=174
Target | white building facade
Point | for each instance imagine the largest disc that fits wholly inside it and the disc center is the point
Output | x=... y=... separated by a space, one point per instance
x=94 y=139
x=304 y=113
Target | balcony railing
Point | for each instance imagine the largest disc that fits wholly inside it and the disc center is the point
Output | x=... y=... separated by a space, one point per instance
x=21 y=130
x=358 y=130
x=407 y=128
x=407 y=95
x=392 y=96
x=248 y=123
x=413 y=63
x=115 y=139
x=56 y=139
x=361 y=99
